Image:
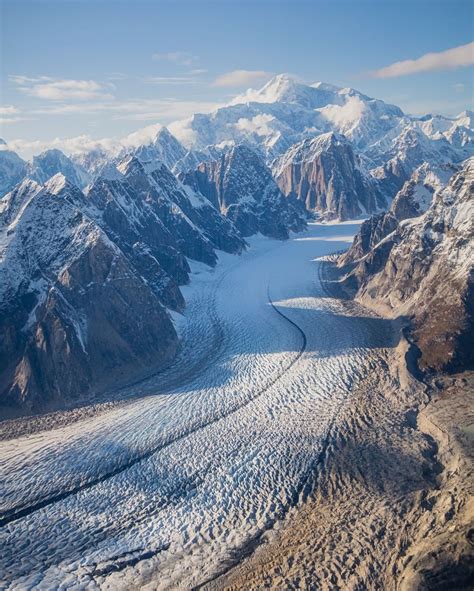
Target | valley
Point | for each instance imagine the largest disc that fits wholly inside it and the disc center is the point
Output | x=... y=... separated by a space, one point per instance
x=190 y=473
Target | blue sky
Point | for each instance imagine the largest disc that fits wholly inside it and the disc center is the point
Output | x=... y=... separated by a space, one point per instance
x=106 y=68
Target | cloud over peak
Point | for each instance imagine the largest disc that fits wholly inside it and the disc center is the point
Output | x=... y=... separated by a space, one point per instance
x=241 y=78
x=451 y=59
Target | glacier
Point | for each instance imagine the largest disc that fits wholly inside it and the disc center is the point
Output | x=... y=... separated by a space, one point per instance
x=165 y=487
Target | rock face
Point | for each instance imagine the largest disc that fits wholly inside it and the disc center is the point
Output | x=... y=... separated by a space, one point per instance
x=74 y=313
x=242 y=188
x=412 y=200
x=327 y=177
x=85 y=279
x=424 y=269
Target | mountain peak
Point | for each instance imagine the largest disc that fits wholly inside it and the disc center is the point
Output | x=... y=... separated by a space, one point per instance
x=130 y=166
x=163 y=133
x=57 y=183
x=281 y=88
x=328 y=87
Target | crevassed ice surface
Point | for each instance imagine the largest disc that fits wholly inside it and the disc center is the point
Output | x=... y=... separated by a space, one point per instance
x=214 y=451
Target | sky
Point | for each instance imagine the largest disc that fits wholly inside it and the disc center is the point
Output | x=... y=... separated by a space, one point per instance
x=86 y=69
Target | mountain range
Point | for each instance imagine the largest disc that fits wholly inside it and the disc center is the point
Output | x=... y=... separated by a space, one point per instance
x=90 y=241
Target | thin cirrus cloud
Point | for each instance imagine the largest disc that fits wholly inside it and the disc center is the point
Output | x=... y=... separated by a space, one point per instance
x=238 y=78
x=165 y=109
x=451 y=59
x=182 y=58
x=170 y=80
x=10 y=114
x=8 y=110
x=54 y=89
x=84 y=143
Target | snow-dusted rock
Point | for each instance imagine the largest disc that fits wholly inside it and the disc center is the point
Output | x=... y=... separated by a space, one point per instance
x=75 y=315
x=326 y=175
x=242 y=188
x=52 y=162
x=412 y=200
x=425 y=269
x=85 y=278
x=12 y=168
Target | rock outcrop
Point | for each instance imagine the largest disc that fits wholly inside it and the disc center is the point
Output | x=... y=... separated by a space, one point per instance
x=325 y=174
x=424 y=270
x=242 y=188
x=75 y=315
x=85 y=279
x=412 y=200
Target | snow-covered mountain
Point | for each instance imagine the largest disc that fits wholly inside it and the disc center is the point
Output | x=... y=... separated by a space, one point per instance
x=52 y=162
x=284 y=112
x=326 y=175
x=459 y=131
x=242 y=188
x=424 y=269
x=163 y=148
x=412 y=200
x=84 y=236
x=12 y=168
x=74 y=313
x=85 y=278
x=94 y=161
x=172 y=221
x=387 y=144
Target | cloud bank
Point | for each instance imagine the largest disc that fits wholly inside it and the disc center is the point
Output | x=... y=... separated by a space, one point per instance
x=54 y=89
x=241 y=78
x=451 y=59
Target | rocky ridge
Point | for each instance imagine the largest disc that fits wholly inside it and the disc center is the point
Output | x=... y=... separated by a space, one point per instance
x=87 y=277
x=423 y=269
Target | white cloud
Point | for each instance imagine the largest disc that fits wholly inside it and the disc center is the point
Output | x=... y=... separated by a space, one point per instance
x=53 y=89
x=183 y=58
x=8 y=110
x=258 y=125
x=166 y=109
x=79 y=144
x=10 y=120
x=183 y=131
x=457 y=57
x=138 y=110
x=84 y=143
x=10 y=114
x=459 y=87
x=241 y=78
x=170 y=80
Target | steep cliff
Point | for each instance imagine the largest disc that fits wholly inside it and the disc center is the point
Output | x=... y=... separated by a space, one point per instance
x=424 y=269
x=327 y=177
x=75 y=316
x=242 y=188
